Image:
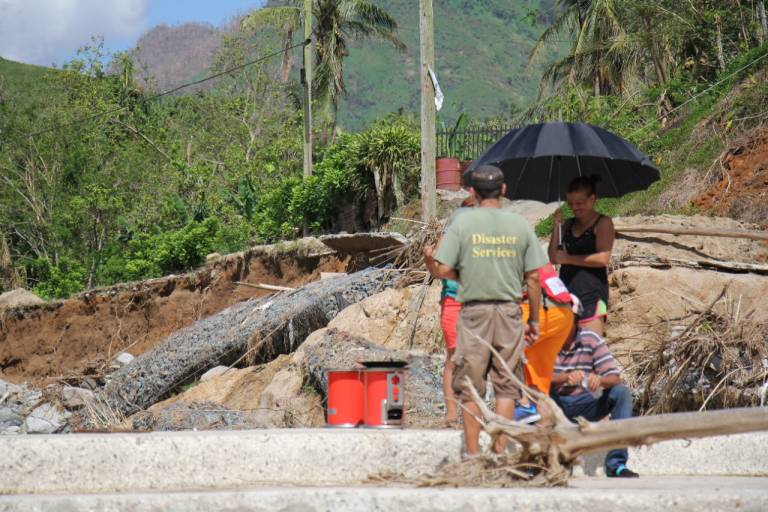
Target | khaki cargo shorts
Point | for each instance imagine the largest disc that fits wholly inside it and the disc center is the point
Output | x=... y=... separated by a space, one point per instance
x=501 y=325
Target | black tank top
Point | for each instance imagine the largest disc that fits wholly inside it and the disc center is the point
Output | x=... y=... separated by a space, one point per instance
x=589 y=284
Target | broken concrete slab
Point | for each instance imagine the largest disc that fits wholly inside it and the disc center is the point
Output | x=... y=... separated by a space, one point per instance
x=364 y=242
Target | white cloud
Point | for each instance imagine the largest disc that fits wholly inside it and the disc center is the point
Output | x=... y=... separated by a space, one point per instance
x=50 y=31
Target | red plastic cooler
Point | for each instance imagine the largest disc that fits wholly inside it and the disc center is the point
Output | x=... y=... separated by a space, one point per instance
x=345 y=398
x=384 y=397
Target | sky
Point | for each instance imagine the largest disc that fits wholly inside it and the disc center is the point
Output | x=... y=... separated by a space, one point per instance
x=49 y=32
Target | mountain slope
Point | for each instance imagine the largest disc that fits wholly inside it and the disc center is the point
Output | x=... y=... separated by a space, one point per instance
x=481 y=53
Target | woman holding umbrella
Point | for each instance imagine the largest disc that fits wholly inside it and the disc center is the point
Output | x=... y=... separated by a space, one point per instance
x=538 y=160
x=587 y=241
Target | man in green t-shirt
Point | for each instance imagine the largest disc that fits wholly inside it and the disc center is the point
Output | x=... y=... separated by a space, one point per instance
x=491 y=252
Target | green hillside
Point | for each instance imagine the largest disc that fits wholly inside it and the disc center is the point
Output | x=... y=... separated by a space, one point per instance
x=21 y=85
x=481 y=51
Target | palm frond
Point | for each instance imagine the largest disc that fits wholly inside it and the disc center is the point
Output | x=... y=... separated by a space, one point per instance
x=271 y=17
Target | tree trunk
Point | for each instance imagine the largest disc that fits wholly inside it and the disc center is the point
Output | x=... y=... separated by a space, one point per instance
x=661 y=72
x=379 y=186
x=763 y=22
x=596 y=83
x=719 y=43
x=285 y=68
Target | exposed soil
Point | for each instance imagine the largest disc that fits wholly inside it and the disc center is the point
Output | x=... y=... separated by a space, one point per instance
x=74 y=338
x=741 y=191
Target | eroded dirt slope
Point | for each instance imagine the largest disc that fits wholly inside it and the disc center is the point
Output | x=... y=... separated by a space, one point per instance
x=74 y=338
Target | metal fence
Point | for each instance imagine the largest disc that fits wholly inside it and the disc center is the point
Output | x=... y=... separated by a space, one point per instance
x=469 y=143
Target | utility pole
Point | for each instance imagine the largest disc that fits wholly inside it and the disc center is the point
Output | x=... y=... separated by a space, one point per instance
x=427 y=45
x=307 y=78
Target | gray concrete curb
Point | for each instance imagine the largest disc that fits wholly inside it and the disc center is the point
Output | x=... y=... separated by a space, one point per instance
x=679 y=494
x=237 y=459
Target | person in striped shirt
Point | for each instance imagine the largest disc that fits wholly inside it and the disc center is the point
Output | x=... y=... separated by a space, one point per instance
x=586 y=383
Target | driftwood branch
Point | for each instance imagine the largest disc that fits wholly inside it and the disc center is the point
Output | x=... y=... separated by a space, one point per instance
x=263 y=286
x=563 y=442
x=721 y=266
x=647 y=430
x=677 y=230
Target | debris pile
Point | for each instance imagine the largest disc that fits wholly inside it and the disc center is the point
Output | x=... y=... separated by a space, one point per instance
x=718 y=360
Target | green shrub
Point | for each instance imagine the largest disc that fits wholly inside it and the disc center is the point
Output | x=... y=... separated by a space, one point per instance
x=57 y=281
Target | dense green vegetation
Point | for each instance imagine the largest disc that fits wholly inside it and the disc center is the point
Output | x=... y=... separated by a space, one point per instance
x=155 y=184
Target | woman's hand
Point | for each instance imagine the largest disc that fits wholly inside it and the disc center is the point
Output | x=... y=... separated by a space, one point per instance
x=557 y=216
x=561 y=257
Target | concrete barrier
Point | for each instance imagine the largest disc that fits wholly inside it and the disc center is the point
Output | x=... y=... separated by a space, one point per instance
x=170 y=461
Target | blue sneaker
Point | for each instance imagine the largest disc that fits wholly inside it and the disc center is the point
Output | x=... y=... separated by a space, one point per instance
x=526 y=414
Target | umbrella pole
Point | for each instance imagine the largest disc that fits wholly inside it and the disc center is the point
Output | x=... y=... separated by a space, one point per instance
x=560 y=207
x=560 y=224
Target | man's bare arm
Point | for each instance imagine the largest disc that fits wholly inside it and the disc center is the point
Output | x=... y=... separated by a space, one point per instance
x=534 y=294
x=437 y=269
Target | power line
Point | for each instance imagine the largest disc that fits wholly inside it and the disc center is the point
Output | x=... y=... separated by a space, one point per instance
x=170 y=91
x=705 y=91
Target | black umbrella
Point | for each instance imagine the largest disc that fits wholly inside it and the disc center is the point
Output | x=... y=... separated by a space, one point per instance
x=540 y=160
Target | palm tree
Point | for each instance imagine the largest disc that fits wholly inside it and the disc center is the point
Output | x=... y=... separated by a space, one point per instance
x=593 y=58
x=337 y=22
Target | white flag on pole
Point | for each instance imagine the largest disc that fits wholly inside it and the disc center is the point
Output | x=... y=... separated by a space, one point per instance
x=438 y=92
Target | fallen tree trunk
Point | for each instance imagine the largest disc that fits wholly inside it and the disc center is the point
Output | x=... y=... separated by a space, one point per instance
x=259 y=329
x=677 y=230
x=647 y=430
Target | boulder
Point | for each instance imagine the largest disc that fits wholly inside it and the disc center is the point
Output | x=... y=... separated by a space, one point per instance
x=124 y=358
x=19 y=298
x=45 y=419
x=214 y=372
x=9 y=418
x=74 y=398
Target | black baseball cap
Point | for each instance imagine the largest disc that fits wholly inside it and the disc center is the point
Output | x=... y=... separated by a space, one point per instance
x=487 y=177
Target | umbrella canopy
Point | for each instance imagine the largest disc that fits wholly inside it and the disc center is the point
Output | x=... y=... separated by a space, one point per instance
x=540 y=160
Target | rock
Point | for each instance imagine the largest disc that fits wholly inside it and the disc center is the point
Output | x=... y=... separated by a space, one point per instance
x=124 y=358
x=74 y=398
x=89 y=383
x=214 y=372
x=10 y=430
x=19 y=298
x=7 y=387
x=9 y=418
x=45 y=419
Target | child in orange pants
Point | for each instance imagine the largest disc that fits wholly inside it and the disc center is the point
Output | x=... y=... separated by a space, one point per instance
x=556 y=321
